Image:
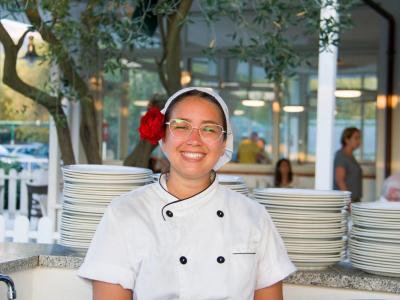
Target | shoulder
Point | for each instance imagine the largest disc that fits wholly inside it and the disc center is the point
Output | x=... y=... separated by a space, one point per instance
x=340 y=157
x=134 y=201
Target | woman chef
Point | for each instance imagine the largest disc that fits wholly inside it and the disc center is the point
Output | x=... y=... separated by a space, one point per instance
x=186 y=236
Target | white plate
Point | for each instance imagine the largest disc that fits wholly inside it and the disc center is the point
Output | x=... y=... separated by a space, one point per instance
x=393 y=237
x=375 y=263
x=374 y=239
x=376 y=270
x=313 y=231
x=82 y=208
x=301 y=192
x=371 y=206
x=307 y=218
x=117 y=182
x=305 y=211
x=313 y=250
x=392 y=258
x=300 y=198
x=304 y=206
x=222 y=178
x=311 y=225
x=311 y=235
x=375 y=246
x=106 y=169
x=316 y=243
x=364 y=221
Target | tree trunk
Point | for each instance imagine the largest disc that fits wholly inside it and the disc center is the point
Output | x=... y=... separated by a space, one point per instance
x=88 y=132
x=140 y=156
x=170 y=75
x=64 y=138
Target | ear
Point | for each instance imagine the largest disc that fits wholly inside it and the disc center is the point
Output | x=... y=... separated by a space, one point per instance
x=223 y=147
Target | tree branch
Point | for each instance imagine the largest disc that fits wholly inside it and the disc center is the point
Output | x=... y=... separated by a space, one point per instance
x=22 y=38
x=11 y=78
x=175 y=21
x=160 y=63
x=52 y=104
x=66 y=64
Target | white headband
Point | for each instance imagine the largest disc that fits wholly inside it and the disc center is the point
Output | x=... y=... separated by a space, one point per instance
x=229 y=138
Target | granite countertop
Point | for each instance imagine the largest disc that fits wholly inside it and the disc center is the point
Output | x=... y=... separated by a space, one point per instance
x=16 y=257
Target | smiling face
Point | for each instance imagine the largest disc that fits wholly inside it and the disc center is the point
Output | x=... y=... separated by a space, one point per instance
x=193 y=158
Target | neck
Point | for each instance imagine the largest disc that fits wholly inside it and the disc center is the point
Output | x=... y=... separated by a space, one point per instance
x=347 y=150
x=183 y=188
x=285 y=179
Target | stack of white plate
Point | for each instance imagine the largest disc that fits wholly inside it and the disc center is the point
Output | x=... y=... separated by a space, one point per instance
x=312 y=223
x=235 y=183
x=375 y=237
x=88 y=189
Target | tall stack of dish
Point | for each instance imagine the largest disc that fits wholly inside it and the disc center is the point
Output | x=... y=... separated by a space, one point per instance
x=88 y=189
x=375 y=237
x=235 y=183
x=312 y=223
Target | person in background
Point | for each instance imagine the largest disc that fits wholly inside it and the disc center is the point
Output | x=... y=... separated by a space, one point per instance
x=347 y=171
x=283 y=174
x=186 y=236
x=262 y=156
x=248 y=151
x=391 y=188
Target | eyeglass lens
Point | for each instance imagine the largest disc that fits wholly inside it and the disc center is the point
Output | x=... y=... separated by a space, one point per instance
x=183 y=129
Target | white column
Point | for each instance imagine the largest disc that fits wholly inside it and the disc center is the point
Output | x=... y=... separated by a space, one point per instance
x=326 y=111
x=54 y=172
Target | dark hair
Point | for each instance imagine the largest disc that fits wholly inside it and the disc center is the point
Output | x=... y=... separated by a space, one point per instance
x=200 y=94
x=278 y=175
x=348 y=133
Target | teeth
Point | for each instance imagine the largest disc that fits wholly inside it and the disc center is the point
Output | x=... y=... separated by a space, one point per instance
x=193 y=155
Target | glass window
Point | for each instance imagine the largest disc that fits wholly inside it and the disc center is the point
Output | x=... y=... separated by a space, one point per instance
x=205 y=66
x=250 y=119
x=242 y=72
x=357 y=112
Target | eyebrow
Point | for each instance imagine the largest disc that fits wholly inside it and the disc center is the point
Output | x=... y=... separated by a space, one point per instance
x=202 y=122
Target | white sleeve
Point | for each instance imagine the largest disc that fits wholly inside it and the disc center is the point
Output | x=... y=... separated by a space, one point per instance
x=273 y=261
x=107 y=258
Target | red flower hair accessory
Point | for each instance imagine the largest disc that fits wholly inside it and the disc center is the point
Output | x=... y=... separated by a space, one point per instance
x=152 y=126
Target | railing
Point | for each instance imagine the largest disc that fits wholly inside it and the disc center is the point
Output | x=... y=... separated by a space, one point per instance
x=14 y=225
x=16 y=189
x=21 y=232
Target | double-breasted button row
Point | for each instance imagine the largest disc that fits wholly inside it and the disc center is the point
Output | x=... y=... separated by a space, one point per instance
x=170 y=214
x=183 y=260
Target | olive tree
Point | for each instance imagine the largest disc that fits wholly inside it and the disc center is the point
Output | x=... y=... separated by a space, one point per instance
x=88 y=37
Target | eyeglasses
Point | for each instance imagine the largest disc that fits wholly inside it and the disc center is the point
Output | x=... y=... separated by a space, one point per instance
x=182 y=129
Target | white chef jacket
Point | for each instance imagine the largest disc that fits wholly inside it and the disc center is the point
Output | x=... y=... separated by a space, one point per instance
x=215 y=245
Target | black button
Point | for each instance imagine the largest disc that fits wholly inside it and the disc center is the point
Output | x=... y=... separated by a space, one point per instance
x=220 y=259
x=220 y=213
x=169 y=213
x=183 y=260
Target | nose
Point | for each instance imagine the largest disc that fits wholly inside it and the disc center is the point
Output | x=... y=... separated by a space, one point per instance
x=194 y=137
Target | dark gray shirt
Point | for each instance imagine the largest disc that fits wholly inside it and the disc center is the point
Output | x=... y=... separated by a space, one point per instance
x=353 y=177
